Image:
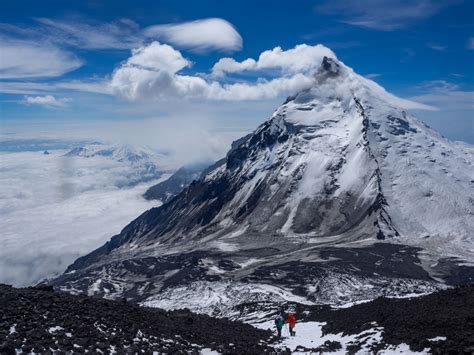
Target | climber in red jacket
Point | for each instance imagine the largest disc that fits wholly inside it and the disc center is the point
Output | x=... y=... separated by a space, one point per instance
x=291 y=320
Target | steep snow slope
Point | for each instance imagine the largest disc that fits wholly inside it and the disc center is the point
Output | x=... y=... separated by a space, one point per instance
x=341 y=195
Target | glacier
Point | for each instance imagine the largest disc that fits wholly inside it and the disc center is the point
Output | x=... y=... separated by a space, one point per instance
x=340 y=196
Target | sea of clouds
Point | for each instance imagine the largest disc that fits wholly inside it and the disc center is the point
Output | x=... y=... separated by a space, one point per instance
x=54 y=209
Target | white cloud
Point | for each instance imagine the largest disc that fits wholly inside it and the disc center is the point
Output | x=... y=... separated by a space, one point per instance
x=27 y=59
x=385 y=15
x=445 y=95
x=47 y=100
x=38 y=88
x=152 y=73
x=69 y=210
x=199 y=35
x=373 y=75
x=157 y=56
x=79 y=32
x=263 y=89
x=301 y=58
x=23 y=87
x=436 y=47
x=456 y=109
x=93 y=86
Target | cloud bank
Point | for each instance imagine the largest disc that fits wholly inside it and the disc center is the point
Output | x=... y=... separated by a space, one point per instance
x=300 y=59
x=153 y=73
x=55 y=209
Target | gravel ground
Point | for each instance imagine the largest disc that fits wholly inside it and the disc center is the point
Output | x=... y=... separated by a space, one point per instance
x=448 y=314
x=45 y=321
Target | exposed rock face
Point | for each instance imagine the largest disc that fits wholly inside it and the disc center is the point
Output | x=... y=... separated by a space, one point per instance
x=166 y=190
x=341 y=195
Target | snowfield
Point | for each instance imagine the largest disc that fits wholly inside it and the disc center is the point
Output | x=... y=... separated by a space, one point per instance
x=340 y=196
x=309 y=336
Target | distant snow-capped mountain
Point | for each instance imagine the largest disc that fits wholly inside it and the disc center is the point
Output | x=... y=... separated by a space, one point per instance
x=146 y=164
x=341 y=195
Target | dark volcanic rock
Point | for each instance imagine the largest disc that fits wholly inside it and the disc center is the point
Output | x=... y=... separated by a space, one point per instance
x=38 y=320
x=328 y=199
x=166 y=190
x=413 y=321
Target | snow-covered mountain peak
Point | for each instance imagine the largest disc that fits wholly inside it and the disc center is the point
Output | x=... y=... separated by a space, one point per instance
x=339 y=187
x=335 y=90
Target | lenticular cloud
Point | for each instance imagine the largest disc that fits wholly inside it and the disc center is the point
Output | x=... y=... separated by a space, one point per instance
x=214 y=34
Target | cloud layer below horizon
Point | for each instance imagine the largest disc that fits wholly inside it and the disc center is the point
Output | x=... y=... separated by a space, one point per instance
x=55 y=209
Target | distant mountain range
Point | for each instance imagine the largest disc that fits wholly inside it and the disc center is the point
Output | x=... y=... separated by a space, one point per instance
x=341 y=195
x=146 y=164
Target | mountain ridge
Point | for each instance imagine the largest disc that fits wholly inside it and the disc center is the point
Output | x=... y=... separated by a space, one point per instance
x=339 y=172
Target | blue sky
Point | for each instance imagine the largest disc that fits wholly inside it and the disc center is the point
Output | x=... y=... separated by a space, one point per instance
x=69 y=66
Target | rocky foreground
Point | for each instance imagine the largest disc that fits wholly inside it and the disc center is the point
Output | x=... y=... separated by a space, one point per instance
x=39 y=321
x=43 y=321
x=447 y=314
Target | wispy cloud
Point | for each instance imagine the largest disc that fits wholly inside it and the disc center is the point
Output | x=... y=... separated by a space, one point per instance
x=82 y=33
x=24 y=87
x=96 y=86
x=456 y=108
x=200 y=35
x=47 y=101
x=22 y=59
x=470 y=43
x=385 y=15
x=436 y=46
x=445 y=95
x=373 y=75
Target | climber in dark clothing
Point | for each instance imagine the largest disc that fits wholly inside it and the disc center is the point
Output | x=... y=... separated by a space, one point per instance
x=279 y=323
